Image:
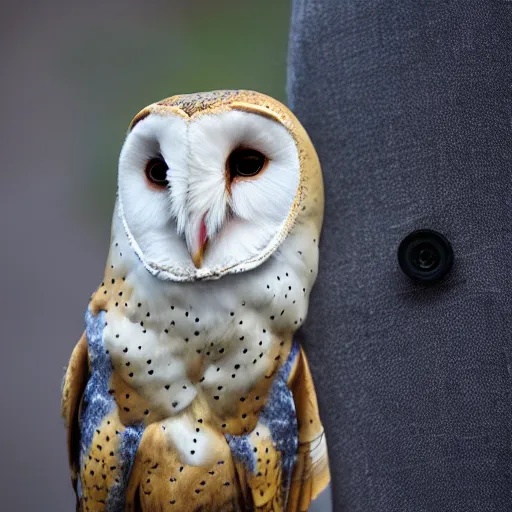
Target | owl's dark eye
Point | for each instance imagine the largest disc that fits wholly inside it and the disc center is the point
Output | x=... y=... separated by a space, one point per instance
x=245 y=162
x=156 y=172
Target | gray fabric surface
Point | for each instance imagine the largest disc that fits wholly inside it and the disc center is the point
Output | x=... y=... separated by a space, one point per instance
x=323 y=503
x=409 y=104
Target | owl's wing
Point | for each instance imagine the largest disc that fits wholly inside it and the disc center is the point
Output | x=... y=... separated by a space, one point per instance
x=75 y=380
x=311 y=474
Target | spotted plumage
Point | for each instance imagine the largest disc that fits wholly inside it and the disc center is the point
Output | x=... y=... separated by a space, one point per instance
x=189 y=389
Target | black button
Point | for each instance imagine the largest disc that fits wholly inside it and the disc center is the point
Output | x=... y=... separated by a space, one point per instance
x=425 y=255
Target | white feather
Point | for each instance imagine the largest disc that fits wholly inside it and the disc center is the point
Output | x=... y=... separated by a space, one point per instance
x=244 y=226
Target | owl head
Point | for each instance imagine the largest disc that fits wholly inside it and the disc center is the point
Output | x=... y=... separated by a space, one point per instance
x=211 y=184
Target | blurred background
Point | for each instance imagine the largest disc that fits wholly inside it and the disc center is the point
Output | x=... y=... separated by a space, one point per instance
x=73 y=74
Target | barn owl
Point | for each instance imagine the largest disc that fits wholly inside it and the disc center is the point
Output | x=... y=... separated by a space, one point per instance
x=189 y=390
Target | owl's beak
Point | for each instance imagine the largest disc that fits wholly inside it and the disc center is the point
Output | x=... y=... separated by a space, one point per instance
x=197 y=239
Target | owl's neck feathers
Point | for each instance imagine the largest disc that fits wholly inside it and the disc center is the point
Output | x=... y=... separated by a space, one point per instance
x=294 y=264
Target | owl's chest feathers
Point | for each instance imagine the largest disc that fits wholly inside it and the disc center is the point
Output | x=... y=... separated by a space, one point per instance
x=171 y=342
x=170 y=356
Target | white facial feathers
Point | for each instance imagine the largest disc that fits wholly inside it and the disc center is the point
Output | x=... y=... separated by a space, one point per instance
x=243 y=220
